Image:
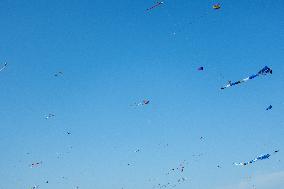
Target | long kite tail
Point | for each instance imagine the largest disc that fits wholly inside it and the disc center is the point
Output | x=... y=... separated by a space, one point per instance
x=241 y=164
x=264 y=71
x=237 y=82
x=240 y=81
x=246 y=163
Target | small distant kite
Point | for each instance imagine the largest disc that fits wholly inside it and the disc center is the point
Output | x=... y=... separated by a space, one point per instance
x=143 y=103
x=35 y=187
x=68 y=133
x=156 y=5
x=49 y=116
x=35 y=165
x=261 y=157
x=182 y=179
x=3 y=67
x=264 y=71
x=197 y=155
x=269 y=107
x=200 y=68
x=58 y=74
x=217 y=6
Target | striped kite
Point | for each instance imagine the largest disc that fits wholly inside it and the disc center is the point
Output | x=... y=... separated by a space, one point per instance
x=264 y=71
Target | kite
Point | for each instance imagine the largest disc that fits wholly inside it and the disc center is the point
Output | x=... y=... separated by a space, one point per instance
x=156 y=5
x=35 y=165
x=143 y=103
x=3 y=67
x=269 y=107
x=68 y=133
x=264 y=71
x=58 y=74
x=49 y=116
x=216 y=6
x=261 y=157
x=200 y=68
x=182 y=179
x=35 y=187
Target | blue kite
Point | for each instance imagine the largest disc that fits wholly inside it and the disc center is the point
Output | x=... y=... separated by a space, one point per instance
x=261 y=157
x=264 y=71
x=269 y=107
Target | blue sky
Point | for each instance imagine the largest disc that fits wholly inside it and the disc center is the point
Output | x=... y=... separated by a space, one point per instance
x=113 y=54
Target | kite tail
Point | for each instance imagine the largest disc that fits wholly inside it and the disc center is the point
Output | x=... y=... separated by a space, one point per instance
x=158 y=4
x=263 y=71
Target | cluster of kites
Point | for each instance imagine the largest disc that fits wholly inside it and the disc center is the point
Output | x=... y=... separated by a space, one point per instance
x=265 y=71
x=178 y=172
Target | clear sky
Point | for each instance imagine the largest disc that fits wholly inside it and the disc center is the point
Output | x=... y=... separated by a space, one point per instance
x=113 y=54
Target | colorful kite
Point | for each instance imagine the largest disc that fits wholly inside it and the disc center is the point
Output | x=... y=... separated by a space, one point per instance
x=264 y=71
x=216 y=6
x=261 y=157
x=156 y=5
